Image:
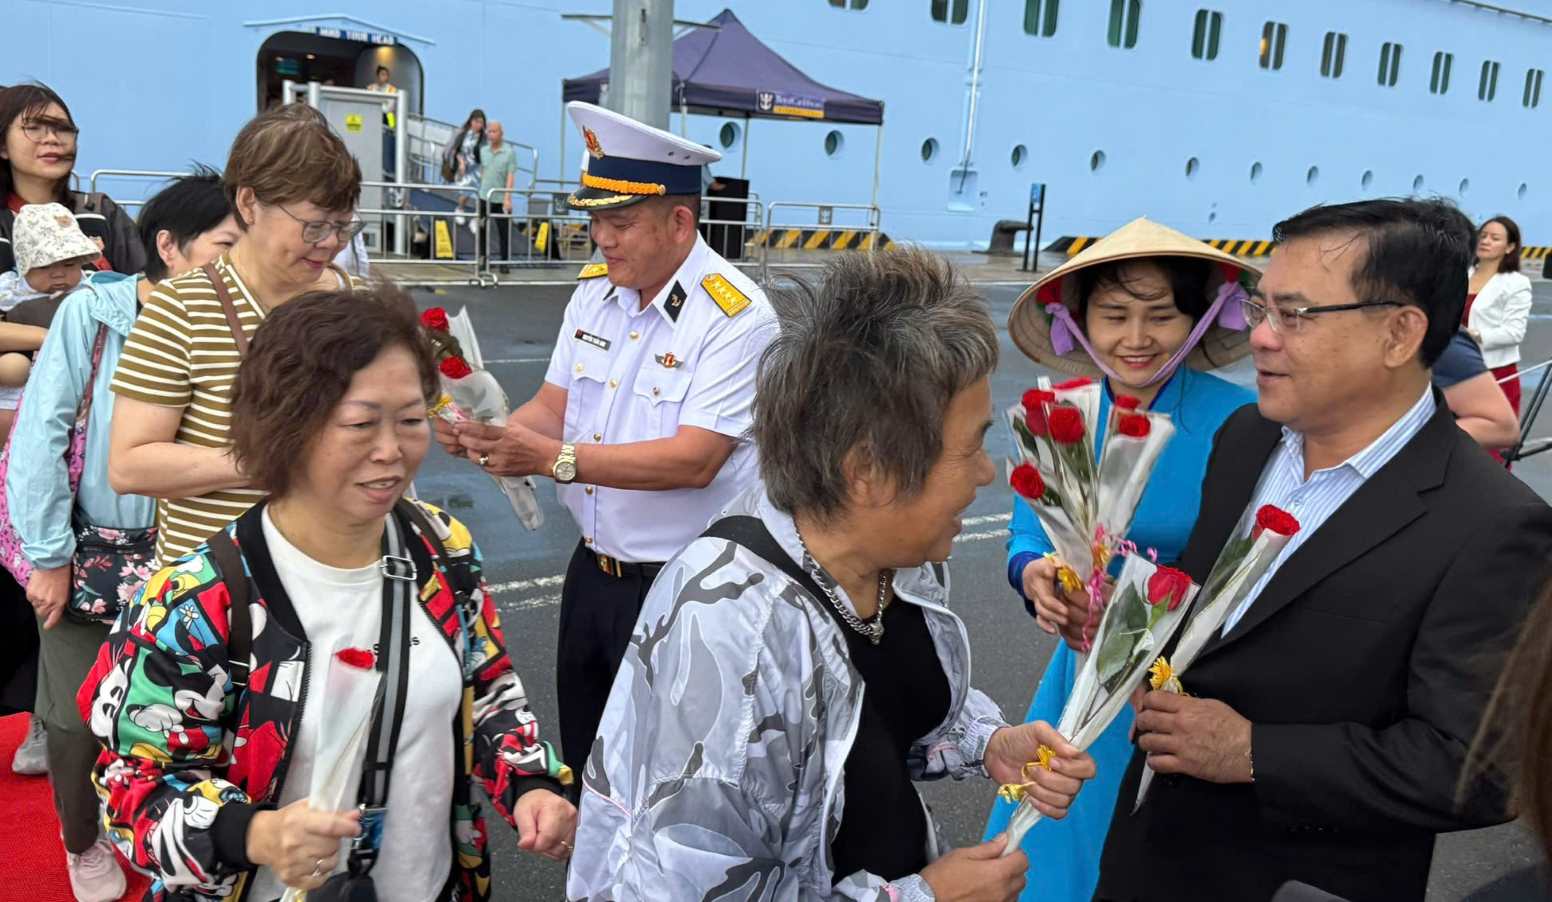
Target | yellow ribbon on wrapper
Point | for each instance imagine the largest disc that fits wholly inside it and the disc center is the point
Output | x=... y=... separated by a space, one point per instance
x=1014 y=792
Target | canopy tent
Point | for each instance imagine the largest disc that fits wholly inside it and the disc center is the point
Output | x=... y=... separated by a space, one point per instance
x=727 y=71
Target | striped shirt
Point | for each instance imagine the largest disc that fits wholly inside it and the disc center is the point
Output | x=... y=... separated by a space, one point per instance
x=1312 y=501
x=181 y=353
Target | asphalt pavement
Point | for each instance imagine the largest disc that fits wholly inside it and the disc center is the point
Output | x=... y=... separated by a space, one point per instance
x=517 y=327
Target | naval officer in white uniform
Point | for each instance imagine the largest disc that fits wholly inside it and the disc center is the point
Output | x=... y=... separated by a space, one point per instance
x=642 y=414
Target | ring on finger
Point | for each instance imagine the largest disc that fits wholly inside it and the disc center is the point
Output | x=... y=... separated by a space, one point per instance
x=484 y=460
x=318 y=869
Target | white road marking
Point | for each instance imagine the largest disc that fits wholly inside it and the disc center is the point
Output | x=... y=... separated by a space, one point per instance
x=550 y=599
x=518 y=360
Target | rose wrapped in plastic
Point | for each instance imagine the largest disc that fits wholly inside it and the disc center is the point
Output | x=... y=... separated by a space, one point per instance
x=1148 y=603
x=1239 y=567
x=470 y=392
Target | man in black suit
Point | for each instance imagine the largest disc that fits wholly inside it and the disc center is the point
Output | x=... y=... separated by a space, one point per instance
x=1327 y=724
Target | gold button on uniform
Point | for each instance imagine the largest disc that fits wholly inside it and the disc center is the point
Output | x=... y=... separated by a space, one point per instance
x=588 y=490
x=597 y=437
x=635 y=335
x=579 y=367
x=656 y=391
x=614 y=383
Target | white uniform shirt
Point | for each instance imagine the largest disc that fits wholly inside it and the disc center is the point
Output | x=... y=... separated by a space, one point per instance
x=634 y=375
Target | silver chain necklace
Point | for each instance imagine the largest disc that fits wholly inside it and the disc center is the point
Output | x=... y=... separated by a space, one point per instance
x=872 y=629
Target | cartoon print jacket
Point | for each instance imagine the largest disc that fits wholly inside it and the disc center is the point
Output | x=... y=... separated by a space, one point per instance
x=189 y=760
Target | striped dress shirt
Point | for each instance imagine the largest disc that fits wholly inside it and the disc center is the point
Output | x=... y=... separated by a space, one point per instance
x=1312 y=501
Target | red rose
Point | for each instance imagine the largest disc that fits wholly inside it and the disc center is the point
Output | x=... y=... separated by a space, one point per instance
x=359 y=658
x=1168 y=586
x=1035 y=396
x=1066 y=424
x=434 y=318
x=454 y=367
x=1035 y=421
x=1071 y=384
x=1026 y=482
x=1134 y=425
x=1127 y=402
x=1276 y=519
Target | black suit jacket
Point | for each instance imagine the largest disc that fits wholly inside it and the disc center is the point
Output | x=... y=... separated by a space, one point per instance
x=1364 y=665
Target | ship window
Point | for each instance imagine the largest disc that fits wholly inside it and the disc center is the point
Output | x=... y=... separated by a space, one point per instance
x=954 y=12
x=1440 y=82
x=1312 y=176
x=1532 y=97
x=929 y=150
x=1368 y=179
x=1204 y=38
x=834 y=141
x=1040 y=17
x=1096 y=161
x=1417 y=185
x=1255 y=172
x=1124 y=15
x=1020 y=154
x=1274 y=36
x=849 y=4
x=1333 y=54
x=1390 y=64
x=1465 y=185
x=1192 y=165
x=728 y=135
x=1487 y=87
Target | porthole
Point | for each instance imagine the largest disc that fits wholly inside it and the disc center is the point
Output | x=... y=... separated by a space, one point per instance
x=1312 y=176
x=728 y=136
x=1521 y=191
x=1020 y=155
x=929 y=150
x=1255 y=172
x=1192 y=165
x=1368 y=179
x=1417 y=185
x=1465 y=185
x=834 y=141
x=1096 y=161
x=1212 y=217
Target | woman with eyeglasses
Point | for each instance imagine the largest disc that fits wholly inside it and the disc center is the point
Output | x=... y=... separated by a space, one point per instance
x=293 y=186
x=1148 y=311
x=37 y=152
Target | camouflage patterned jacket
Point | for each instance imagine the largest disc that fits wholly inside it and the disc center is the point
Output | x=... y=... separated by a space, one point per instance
x=717 y=770
x=188 y=758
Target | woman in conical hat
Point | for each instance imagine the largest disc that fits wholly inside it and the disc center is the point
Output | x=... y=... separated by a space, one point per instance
x=1149 y=311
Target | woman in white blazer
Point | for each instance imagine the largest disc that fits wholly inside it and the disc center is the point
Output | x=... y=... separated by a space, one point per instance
x=1498 y=303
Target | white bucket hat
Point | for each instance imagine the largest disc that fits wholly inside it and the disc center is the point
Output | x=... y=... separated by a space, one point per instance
x=45 y=234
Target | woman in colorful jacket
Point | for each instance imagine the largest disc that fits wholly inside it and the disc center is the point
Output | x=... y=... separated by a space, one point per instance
x=186 y=225
x=796 y=668
x=1148 y=310
x=206 y=785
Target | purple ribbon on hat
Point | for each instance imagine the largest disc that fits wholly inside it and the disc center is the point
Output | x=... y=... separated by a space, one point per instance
x=1226 y=310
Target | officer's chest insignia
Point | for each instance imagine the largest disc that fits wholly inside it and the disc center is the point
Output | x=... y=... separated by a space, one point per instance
x=668 y=360
x=675 y=302
x=593 y=271
x=730 y=299
x=596 y=341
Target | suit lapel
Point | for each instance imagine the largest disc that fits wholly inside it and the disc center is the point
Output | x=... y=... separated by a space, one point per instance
x=1380 y=508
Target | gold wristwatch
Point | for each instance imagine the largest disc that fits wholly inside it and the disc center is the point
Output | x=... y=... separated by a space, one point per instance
x=564 y=470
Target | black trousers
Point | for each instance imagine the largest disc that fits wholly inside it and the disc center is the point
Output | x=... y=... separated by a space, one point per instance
x=501 y=228
x=597 y=616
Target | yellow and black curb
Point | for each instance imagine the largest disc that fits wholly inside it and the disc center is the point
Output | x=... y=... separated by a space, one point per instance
x=1535 y=251
x=1071 y=245
x=820 y=239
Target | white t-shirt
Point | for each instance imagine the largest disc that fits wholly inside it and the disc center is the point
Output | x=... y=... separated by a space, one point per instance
x=344 y=609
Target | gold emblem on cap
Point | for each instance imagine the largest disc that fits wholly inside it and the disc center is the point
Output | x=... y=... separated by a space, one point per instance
x=593 y=147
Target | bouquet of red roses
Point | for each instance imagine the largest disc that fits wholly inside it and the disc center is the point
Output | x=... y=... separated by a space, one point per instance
x=1148 y=603
x=1086 y=507
x=470 y=392
x=1240 y=565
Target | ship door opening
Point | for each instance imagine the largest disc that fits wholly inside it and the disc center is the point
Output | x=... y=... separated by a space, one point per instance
x=304 y=56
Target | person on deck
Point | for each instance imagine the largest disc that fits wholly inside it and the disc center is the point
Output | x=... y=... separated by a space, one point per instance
x=1150 y=311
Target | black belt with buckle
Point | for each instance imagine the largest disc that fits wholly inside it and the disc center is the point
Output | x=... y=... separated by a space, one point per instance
x=620 y=569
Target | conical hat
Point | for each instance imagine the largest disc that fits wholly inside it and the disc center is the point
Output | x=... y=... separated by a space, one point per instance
x=1030 y=325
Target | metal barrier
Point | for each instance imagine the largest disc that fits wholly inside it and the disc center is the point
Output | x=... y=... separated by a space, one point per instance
x=428 y=139
x=146 y=174
x=858 y=228
x=1527 y=446
x=429 y=246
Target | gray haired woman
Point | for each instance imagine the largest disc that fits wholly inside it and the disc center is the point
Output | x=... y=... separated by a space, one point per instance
x=797 y=667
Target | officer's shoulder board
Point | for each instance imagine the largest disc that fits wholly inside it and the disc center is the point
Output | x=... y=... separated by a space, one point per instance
x=593 y=271
x=730 y=299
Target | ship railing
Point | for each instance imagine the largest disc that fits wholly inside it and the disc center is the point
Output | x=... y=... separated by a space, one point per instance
x=441 y=250
x=793 y=230
x=1528 y=446
x=428 y=139
x=146 y=177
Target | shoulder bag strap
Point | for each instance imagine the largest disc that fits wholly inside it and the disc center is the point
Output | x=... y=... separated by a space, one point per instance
x=239 y=637
x=233 y=321
x=751 y=534
x=98 y=344
x=393 y=661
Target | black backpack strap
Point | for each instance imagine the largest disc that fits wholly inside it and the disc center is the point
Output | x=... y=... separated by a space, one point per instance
x=458 y=577
x=239 y=637
x=753 y=536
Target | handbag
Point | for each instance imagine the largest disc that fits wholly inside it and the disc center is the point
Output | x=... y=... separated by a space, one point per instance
x=116 y=561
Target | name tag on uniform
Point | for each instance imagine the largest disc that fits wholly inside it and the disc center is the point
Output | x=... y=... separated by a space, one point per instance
x=596 y=341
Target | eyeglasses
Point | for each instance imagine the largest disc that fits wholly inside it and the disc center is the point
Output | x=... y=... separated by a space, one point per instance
x=1288 y=321
x=37 y=130
x=318 y=231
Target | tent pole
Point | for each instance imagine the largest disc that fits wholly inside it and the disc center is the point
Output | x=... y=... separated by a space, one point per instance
x=743 y=167
x=684 y=118
x=878 y=158
x=560 y=161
